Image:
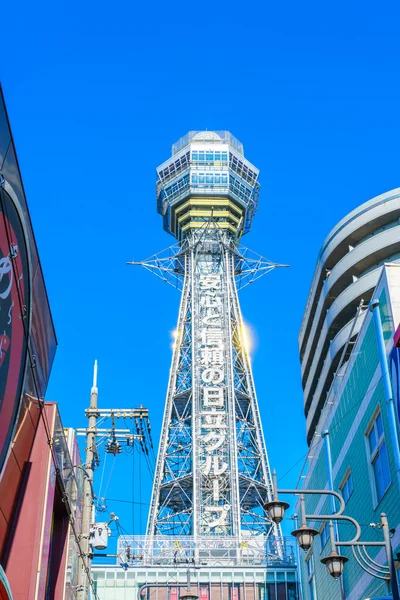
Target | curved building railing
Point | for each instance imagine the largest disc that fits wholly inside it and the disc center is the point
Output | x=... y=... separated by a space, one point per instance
x=348 y=299
x=348 y=269
x=353 y=228
x=330 y=363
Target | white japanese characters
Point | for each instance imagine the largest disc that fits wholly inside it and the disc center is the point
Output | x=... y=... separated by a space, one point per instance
x=213 y=447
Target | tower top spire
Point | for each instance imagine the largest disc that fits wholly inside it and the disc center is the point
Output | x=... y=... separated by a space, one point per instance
x=207 y=180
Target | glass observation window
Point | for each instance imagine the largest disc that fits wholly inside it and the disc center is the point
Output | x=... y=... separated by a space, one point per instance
x=210 y=179
x=378 y=457
x=172 y=190
x=209 y=156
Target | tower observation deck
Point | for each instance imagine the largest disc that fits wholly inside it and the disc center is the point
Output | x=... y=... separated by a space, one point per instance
x=207 y=180
x=212 y=475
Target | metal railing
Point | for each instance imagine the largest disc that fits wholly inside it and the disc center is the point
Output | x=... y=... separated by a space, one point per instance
x=252 y=550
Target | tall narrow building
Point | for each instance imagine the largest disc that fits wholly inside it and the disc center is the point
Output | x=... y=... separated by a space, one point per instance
x=212 y=475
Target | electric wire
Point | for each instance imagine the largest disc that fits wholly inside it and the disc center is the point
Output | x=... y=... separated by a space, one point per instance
x=102 y=474
x=171 y=578
x=140 y=494
x=109 y=476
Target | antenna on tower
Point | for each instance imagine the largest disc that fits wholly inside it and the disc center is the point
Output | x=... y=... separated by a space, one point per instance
x=95 y=374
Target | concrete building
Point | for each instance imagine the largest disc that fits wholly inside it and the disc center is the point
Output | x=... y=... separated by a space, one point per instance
x=273 y=581
x=344 y=392
x=348 y=267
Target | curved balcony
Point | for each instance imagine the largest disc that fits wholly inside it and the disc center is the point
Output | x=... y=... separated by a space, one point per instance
x=330 y=364
x=364 y=256
x=349 y=231
x=340 y=312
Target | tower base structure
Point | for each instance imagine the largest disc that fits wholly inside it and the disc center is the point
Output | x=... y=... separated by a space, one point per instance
x=261 y=572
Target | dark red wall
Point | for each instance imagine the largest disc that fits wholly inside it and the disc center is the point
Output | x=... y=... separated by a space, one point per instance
x=28 y=341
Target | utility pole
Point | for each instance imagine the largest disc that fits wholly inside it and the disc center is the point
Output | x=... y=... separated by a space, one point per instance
x=84 y=558
x=92 y=432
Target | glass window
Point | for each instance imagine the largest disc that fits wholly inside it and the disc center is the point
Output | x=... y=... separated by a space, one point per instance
x=195 y=178
x=324 y=534
x=209 y=178
x=209 y=155
x=378 y=457
x=379 y=426
x=195 y=156
x=224 y=156
x=224 y=178
x=201 y=177
x=347 y=487
x=217 y=177
x=311 y=578
x=217 y=155
x=372 y=440
x=201 y=154
x=381 y=471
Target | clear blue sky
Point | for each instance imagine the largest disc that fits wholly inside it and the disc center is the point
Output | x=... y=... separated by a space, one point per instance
x=97 y=92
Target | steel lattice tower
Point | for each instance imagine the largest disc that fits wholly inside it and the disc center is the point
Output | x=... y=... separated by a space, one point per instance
x=212 y=475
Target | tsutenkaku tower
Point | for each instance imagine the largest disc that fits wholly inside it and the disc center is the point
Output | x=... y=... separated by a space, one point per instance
x=212 y=475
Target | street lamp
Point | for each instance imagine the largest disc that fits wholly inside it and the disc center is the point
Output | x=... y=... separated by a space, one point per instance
x=189 y=596
x=304 y=535
x=276 y=508
x=335 y=562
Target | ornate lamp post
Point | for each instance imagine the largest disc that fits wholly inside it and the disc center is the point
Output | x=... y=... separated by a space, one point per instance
x=334 y=562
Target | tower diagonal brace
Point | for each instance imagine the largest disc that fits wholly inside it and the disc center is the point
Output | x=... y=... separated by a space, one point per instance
x=250 y=266
x=168 y=265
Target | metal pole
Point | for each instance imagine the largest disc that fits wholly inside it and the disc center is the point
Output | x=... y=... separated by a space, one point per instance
x=327 y=445
x=388 y=547
x=387 y=385
x=303 y=510
x=84 y=559
x=274 y=486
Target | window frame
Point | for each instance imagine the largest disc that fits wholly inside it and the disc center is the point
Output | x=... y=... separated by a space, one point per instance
x=345 y=481
x=324 y=534
x=310 y=566
x=374 y=454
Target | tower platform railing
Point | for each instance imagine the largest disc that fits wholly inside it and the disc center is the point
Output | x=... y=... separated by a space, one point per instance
x=168 y=550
